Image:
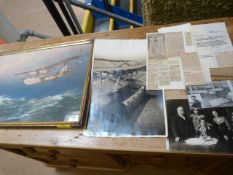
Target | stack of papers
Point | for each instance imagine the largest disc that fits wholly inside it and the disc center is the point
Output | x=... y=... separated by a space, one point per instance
x=183 y=54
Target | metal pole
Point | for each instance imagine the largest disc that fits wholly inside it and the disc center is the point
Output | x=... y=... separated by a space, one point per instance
x=27 y=33
x=76 y=22
x=106 y=5
x=67 y=16
x=105 y=13
x=57 y=17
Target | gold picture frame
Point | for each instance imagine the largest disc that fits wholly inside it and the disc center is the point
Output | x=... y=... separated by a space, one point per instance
x=46 y=86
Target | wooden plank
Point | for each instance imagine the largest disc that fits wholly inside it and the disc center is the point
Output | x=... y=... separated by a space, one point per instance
x=224 y=73
x=74 y=139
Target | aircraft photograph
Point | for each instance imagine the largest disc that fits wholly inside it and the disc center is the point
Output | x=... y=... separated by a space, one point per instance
x=120 y=104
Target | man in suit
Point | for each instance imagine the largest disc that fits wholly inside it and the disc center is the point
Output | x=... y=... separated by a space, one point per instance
x=196 y=102
x=181 y=126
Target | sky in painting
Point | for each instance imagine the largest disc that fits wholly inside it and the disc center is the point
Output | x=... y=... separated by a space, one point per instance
x=12 y=85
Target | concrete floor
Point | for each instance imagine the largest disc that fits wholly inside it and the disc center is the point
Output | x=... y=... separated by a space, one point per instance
x=33 y=14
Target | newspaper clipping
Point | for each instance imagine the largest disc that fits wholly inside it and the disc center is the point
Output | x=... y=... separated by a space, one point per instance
x=164 y=69
x=186 y=30
x=174 y=44
x=156 y=46
x=193 y=73
x=199 y=47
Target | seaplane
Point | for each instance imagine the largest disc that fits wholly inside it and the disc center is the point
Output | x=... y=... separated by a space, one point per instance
x=47 y=73
x=115 y=80
x=111 y=72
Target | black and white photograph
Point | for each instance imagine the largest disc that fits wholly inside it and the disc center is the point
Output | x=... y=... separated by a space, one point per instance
x=195 y=100
x=214 y=94
x=202 y=130
x=120 y=105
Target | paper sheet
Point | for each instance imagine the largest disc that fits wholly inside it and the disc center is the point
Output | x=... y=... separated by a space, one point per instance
x=164 y=70
x=165 y=74
x=186 y=30
x=119 y=49
x=209 y=40
x=174 y=44
x=193 y=73
x=225 y=59
x=175 y=72
x=211 y=37
x=156 y=46
x=151 y=75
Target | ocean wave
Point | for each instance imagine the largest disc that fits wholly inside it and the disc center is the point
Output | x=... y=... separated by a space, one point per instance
x=41 y=107
x=45 y=100
x=50 y=108
x=12 y=118
x=3 y=99
x=6 y=100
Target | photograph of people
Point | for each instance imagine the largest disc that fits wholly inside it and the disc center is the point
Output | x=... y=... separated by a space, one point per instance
x=222 y=126
x=210 y=95
x=196 y=102
x=196 y=118
x=231 y=121
x=205 y=130
x=231 y=124
x=181 y=125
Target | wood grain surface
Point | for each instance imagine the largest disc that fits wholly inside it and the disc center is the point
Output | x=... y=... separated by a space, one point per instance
x=74 y=139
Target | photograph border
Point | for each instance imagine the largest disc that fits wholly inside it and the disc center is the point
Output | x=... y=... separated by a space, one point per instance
x=128 y=135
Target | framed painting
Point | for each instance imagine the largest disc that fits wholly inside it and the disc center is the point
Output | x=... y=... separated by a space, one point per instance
x=45 y=87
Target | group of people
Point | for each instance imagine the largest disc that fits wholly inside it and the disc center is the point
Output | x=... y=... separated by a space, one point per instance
x=196 y=125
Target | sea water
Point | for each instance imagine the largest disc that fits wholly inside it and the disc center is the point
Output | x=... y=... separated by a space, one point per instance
x=44 y=109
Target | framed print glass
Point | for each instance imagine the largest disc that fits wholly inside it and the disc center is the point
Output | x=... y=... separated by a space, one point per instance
x=45 y=87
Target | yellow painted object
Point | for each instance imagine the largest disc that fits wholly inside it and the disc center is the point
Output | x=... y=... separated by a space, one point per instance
x=64 y=126
x=111 y=22
x=88 y=22
x=131 y=8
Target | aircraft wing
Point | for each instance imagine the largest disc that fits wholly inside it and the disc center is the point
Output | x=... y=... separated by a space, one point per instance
x=50 y=66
